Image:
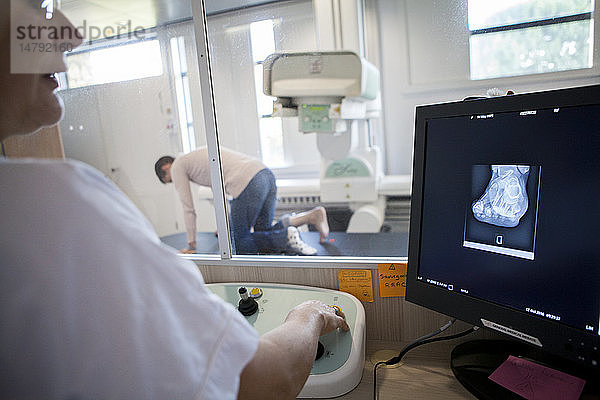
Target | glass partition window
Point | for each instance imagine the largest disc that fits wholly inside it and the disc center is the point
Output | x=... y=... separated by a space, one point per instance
x=129 y=102
x=521 y=37
x=281 y=208
x=239 y=42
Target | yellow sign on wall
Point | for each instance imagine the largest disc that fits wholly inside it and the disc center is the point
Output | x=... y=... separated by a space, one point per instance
x=357 y=282
x=392 y=280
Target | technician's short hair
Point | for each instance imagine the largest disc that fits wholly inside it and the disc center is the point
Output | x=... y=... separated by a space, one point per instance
x=164 y=160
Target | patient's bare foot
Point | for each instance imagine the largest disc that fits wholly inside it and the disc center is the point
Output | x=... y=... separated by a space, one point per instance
x=318 y=217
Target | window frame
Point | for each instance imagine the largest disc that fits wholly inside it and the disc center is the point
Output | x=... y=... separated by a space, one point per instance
x=532 y=24
x=464 y=83
x=551 y=21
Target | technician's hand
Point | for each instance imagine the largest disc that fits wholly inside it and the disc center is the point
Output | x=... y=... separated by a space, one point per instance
x=332 y=318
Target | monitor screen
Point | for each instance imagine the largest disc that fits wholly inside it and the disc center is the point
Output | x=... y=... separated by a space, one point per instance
x=505 y=217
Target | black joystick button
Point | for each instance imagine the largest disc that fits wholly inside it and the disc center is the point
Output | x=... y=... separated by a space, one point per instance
x=247 y=305
x=320 y=351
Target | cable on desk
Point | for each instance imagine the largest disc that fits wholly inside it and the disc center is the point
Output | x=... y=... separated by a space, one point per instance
x=429 y=338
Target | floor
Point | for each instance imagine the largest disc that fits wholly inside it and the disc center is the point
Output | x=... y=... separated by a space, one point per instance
x=388 y=244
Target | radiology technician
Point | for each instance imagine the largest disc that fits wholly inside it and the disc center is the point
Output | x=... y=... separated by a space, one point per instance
x=92 y=304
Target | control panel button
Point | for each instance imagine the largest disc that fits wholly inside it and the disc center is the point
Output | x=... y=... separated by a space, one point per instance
x=255 y=293
x=247 y=305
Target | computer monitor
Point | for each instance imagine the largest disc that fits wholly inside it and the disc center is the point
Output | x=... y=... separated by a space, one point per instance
x=505 y=218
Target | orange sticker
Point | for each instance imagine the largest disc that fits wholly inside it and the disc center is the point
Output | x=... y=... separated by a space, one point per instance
x=357 y=282
x=392 y=280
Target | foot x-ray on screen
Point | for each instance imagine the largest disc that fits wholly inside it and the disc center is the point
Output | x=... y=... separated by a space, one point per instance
x=504 y=201
x=502 y=214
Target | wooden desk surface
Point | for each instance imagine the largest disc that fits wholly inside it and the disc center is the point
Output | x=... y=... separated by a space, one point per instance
x=424 y=373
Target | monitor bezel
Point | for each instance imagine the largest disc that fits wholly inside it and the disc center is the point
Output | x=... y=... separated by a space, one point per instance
x=555 y=337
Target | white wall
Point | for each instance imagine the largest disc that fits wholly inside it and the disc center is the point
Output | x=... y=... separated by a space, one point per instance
x=424 y=60
x=125 y=131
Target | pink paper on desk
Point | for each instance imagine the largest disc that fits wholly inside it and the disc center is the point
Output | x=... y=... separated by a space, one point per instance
x=536 y=382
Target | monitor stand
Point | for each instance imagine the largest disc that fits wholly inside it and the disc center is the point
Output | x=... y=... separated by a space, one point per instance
x=474 y=361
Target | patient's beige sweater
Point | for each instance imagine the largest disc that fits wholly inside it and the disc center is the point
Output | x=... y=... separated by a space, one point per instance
x=238 y=170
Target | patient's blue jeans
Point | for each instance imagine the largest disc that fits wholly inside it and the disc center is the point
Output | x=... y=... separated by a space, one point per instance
x=255 y=208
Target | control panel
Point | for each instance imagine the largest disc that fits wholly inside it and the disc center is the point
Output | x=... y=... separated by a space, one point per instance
x=340 y=358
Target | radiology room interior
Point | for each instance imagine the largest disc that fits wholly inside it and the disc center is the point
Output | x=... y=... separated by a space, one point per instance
x=133 y=97
x=149 y=81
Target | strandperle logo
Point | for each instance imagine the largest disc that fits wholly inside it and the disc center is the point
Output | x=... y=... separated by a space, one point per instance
x=40 y=35
x=89 y=33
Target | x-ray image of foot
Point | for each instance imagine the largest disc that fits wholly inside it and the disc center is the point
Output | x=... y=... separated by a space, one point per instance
x=505 y=199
